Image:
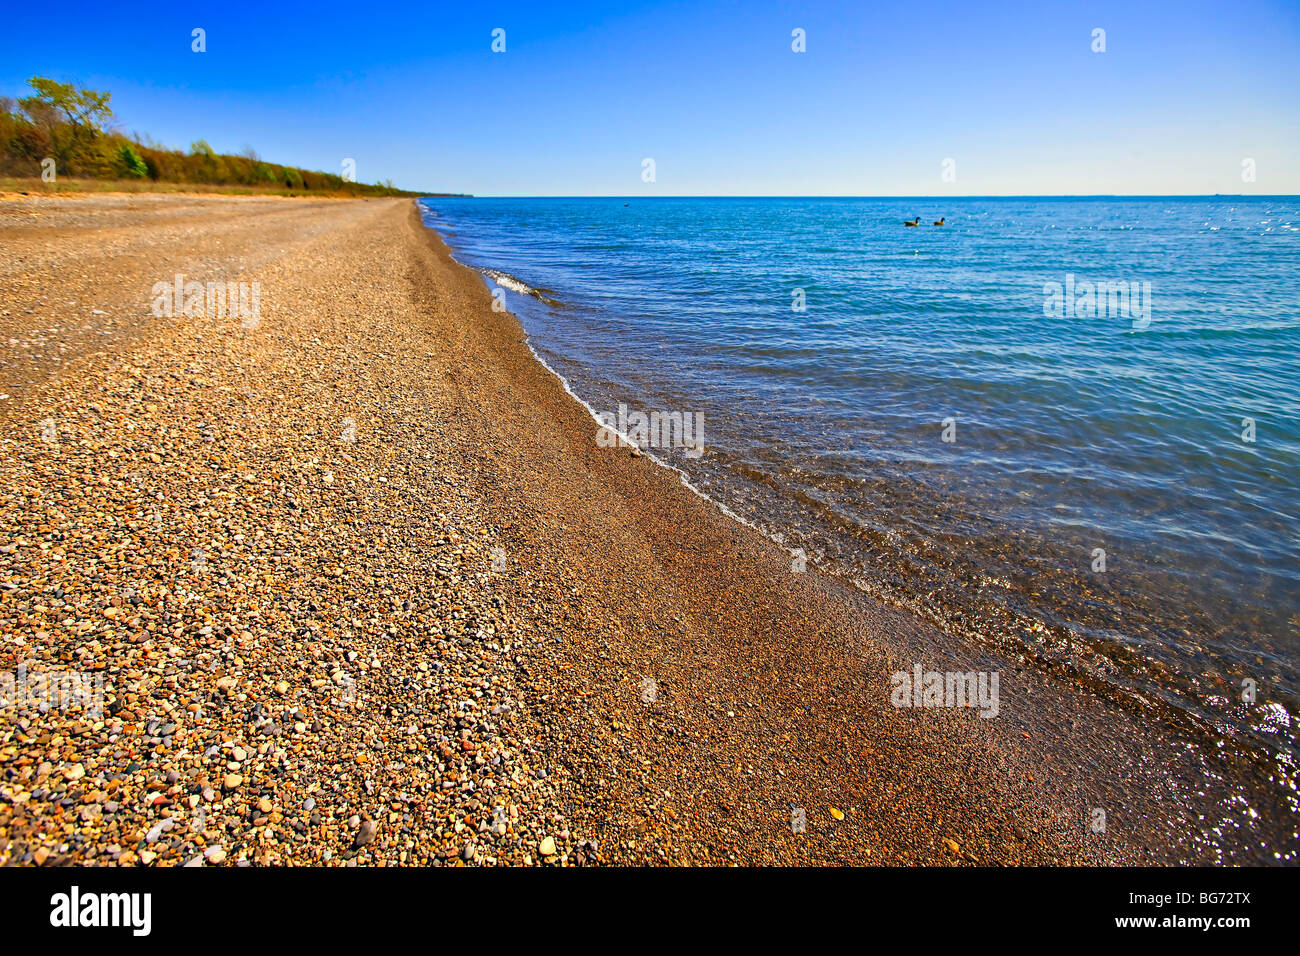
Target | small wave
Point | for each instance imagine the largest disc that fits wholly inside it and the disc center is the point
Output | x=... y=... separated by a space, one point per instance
x=507 y=281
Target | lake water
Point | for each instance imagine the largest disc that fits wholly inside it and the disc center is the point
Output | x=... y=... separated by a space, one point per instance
x=946 y=416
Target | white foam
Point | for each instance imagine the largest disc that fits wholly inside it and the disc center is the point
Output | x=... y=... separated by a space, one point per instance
x=509 y=281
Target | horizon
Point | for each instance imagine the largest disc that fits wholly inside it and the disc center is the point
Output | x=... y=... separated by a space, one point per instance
x=864 y=196
x=1012 y=100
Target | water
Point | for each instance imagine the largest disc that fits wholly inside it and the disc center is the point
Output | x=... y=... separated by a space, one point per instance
x=1070 y=434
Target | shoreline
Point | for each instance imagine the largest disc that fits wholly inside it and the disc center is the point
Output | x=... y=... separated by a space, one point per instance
x=911 y=541
x=546 y=577
x=951 y=644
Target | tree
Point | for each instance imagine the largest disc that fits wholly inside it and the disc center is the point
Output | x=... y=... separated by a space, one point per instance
x=72 y=118
x=82 y=108
x=130 y=163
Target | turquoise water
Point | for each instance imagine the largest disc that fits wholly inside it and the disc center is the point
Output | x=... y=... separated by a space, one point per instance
x=1124 y=431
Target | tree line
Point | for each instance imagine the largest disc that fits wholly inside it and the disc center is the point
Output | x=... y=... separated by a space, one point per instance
x=61 y=130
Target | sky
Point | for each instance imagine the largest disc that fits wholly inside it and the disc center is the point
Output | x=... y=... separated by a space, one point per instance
x=888 y=99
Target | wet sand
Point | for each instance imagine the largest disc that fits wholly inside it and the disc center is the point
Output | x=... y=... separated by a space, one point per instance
x=372 y=547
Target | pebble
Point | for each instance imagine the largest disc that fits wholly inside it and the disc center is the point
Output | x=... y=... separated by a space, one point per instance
x=366 y=834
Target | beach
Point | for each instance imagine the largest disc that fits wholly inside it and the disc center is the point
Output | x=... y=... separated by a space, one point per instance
x=363 y=588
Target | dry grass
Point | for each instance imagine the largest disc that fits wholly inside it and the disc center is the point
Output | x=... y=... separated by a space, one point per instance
x=33 y=186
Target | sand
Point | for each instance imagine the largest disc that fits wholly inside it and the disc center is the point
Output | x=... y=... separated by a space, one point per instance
x=362 y=587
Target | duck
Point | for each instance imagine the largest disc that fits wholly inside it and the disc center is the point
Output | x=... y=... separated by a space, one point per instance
x=941 y=221
x=914 y=222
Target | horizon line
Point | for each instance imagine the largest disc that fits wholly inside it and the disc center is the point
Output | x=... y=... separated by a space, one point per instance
x=859 y=196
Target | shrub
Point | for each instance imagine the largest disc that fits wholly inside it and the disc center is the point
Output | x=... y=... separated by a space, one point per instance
x=130 y=163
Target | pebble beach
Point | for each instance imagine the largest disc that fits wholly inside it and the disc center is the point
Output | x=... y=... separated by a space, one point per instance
x=361 y=588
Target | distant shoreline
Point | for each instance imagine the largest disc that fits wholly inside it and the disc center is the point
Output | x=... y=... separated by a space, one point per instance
x=938 y=198
x=78 y=186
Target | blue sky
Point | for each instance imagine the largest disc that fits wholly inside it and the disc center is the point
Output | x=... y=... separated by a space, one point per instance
x=1012 y=92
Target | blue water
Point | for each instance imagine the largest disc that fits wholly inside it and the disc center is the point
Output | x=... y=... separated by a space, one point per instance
x=1071 y=432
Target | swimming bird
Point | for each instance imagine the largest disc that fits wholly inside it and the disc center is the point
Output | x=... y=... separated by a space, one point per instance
x=941 y=221
x=914 y=222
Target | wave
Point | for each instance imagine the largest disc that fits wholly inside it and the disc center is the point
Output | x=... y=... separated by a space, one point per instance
x=507 y=281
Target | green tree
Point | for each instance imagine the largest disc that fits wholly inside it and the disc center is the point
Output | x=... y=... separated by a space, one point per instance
x=73 y=118
x=130 y=163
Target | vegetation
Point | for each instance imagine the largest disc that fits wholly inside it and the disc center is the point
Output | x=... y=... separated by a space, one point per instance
x=72 y=127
